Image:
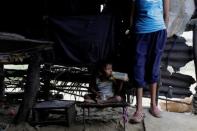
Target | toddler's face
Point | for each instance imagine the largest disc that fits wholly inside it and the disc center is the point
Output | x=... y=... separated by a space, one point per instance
x=108 y=70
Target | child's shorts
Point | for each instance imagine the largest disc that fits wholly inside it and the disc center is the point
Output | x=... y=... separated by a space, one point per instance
x=148 y=53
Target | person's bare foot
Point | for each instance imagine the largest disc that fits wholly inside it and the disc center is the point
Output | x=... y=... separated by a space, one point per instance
x=137 y=117
x=154 y=111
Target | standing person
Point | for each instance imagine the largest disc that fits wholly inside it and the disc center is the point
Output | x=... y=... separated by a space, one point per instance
x=149 y=19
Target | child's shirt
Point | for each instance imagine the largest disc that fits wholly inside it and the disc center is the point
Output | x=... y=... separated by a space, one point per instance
x=149 y=16
x=105 y=88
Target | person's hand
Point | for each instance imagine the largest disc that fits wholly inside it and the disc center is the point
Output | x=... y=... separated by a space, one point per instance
x=126 y=78
x=98 y=95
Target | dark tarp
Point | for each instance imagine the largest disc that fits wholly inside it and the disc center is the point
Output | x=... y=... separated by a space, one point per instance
x=83 y=39
x=73 y=7
x=24 y=17
x=85 y=35
x=30 y=19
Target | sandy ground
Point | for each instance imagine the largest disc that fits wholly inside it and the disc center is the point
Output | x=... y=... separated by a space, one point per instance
x=108 y=119
x=171 y=121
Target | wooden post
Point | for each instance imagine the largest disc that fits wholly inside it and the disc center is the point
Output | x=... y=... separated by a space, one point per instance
x=31 y=88
x=2 y=86
x=195 y=45
x=46 y=80
x=195 y=62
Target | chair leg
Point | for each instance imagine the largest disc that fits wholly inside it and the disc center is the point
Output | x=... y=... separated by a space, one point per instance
x=128 y=98
x=124 y=118
x=166 y=104
x=84 y=124
x=88 y=111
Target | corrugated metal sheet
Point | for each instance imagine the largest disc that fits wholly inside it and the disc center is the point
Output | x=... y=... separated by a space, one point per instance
x=176 y=54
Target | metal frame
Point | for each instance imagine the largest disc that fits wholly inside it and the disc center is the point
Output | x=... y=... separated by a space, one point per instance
x=124 y=106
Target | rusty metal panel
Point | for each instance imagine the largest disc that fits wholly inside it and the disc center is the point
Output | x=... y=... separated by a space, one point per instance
x=176 y=54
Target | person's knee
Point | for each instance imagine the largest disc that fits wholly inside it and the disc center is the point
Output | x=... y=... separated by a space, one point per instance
x=119 y=98
x=86 y=96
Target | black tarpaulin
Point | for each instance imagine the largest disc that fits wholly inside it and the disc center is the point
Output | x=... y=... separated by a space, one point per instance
x=83 y=39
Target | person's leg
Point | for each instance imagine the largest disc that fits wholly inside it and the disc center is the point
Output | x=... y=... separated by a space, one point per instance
x=139 y=68
x=140 y=58
x=139 y=95
x=114 y=99
x=153 y=92
x=138 y=116
x=154 y=110
x=153 y=67
x=89 y=98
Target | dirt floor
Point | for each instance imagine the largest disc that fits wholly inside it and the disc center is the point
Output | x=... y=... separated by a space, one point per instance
x=108 y=119
x=171 y=121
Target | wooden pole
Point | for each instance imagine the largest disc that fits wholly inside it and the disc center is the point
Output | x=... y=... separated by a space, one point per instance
x=2 y=85
x=31 y=88
x=195 y=46
x=46 y=80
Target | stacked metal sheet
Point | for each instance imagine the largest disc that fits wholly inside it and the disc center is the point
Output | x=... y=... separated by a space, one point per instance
x=195 y=103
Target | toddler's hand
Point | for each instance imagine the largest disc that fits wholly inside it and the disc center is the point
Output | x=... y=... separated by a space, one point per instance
x=98 y=95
